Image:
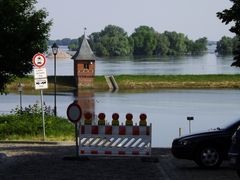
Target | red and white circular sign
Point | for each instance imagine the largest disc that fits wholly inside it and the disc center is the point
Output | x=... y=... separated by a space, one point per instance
x=74 y=112
x=39 y=60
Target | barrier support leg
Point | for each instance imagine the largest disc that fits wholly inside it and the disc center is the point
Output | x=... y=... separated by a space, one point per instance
x=76 y=139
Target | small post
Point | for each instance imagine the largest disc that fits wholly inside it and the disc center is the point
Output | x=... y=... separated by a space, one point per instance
x=76 y=139
x=180 y=132
x=20 y=89
x=190 y=118
x=43 y=123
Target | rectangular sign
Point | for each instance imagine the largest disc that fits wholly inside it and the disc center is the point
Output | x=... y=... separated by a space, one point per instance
x=41 y=83
x=40 y=73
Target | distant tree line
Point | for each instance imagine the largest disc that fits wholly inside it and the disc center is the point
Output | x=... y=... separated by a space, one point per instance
x=63 y=42
x=227 y=45
x=114 y=41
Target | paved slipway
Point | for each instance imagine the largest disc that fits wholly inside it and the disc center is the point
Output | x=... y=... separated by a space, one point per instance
x=23 y=161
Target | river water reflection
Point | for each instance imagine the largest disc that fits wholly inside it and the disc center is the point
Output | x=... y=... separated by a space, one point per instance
x=205 y=64
x=166 y=109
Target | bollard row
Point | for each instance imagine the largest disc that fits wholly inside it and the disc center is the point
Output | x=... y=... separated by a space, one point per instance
x=115 y=119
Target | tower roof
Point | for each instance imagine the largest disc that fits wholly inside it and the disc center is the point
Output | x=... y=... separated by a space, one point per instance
x=84 y=52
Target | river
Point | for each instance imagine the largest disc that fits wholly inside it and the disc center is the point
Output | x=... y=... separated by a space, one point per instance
x=166 y=109
x=208 y=63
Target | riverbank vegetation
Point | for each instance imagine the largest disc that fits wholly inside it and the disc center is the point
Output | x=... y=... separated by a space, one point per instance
x=173 y=81
x=26 y=124
x=126 y=82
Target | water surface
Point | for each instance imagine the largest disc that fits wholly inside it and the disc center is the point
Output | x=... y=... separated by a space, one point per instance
x=208 y=63
x=167 y=110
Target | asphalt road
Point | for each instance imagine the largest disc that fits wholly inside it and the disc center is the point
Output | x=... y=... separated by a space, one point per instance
x=20 y=161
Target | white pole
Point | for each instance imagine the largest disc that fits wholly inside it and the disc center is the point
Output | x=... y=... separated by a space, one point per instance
x=189 y=127
x=180 y=132
x=190 y=118
x=43 y=123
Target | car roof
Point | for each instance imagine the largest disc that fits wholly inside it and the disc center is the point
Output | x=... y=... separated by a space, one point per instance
x=233 y=126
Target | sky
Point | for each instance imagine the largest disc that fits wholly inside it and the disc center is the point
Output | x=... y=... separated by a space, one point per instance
x=194 y=18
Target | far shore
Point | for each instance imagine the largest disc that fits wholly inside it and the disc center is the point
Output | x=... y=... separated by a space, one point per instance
x=128 y=82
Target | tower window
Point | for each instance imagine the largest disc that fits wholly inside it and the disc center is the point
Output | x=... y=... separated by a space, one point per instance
x=86 y=66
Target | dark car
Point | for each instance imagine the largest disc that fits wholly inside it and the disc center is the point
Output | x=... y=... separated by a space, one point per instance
x=208 y=149
x=234 y=152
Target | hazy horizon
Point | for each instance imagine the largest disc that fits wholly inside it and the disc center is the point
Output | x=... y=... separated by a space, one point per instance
x=195 y=19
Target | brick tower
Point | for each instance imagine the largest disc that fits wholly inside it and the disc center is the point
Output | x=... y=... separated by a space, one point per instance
x=84 y=65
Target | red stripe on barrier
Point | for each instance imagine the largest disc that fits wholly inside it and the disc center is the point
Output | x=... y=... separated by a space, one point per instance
x=94 y=129
x=135 y=152
x=122 y=130
x=82 y=129
x=108 y=152
x=94 y=152
x=82 y=152
x=108 y=130
x=135 y=130
x=121 y=152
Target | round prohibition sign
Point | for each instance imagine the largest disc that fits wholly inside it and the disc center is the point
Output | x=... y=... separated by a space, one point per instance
x=74 y=112
x=39 y=60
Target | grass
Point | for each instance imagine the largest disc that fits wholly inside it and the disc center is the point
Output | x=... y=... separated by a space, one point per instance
x=65 y=83
x=29 y=127
x=178 y=81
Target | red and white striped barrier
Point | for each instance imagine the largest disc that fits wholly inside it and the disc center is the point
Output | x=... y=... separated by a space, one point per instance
x=114 y=140
x=114 y=130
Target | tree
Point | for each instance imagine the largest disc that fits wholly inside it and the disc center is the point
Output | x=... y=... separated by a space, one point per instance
x=177 y=43
x=23 y=33
x=228 y=45
x=111 y=41
x=236 y=44
x=145 y=40
x=225 y=46
x=162 y=47
x=233 y=15
x=199 y=46
x=73 y=45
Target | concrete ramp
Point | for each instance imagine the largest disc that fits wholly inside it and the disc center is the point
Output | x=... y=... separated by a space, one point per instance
x=112 y=84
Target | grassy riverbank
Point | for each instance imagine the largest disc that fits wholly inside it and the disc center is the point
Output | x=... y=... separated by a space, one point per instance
x=29 y=127
x=141 y=82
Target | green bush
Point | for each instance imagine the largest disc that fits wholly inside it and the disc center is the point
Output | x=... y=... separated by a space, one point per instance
x=28 y=123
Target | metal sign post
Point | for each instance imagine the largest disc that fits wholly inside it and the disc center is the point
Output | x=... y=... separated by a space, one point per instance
x=43 y=121
x=76 y=139
x=74 y=114
x=40 y=81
